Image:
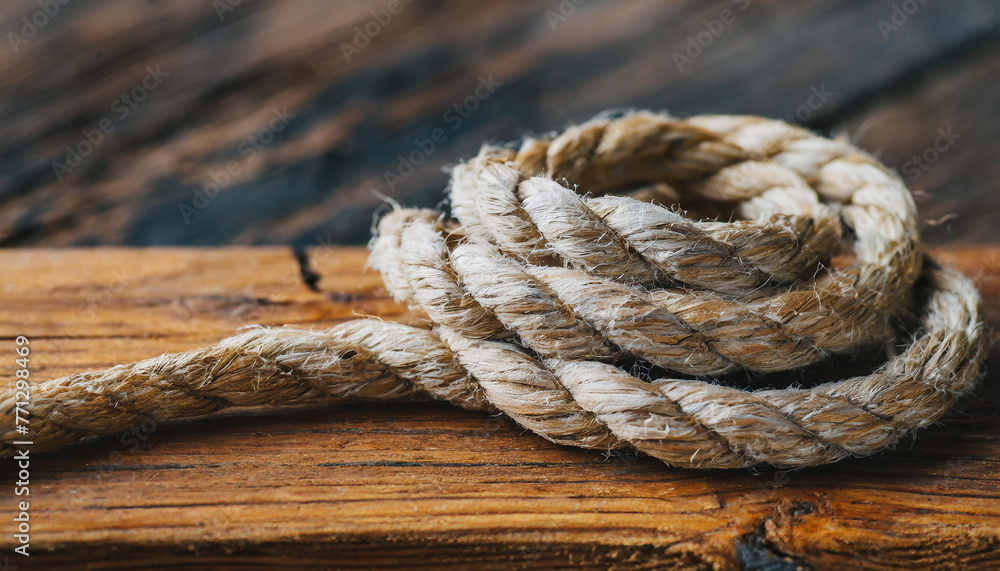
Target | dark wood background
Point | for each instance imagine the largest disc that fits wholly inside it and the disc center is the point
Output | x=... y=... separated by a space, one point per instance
x=889 y=89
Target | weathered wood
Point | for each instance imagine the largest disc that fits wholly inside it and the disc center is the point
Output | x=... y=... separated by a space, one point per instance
x=939 y=138
x=429 y=485
x=353 y=119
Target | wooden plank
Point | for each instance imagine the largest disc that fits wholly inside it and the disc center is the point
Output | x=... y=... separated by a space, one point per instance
x=353 y=119
x=429 y=485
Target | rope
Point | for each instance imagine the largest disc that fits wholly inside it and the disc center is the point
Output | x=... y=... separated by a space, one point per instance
x=537 y=301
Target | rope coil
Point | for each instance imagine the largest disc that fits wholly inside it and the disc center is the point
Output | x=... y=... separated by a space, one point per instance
x=538 y=297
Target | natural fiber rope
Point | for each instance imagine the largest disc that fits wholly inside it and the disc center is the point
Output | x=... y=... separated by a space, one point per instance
x=539 y=296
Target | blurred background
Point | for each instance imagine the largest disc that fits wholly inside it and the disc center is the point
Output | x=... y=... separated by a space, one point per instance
x=210 y=122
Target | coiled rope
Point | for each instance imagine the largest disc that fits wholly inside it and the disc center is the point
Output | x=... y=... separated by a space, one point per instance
x=546 y=291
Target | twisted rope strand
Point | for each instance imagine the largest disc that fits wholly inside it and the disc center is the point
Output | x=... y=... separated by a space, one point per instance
x=531 y=305
x=560 y=312
x=584 y=403
x=698 y=155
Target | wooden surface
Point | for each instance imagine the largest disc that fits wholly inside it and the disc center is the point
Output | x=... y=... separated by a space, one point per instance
x=428 y=485
x=889 y=90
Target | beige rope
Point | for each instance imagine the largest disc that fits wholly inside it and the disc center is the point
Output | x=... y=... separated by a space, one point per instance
x=546 y=288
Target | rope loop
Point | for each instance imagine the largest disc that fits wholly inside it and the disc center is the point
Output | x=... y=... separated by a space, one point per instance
x=570 y=293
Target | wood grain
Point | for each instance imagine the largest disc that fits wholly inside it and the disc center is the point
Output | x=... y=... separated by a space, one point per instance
x=428 y=485
x=317 y=180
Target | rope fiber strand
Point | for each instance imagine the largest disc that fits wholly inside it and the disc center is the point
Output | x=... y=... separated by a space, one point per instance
x=558 y=275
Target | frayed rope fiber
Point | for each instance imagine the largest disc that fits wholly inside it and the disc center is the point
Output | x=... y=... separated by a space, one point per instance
x=547 y=295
